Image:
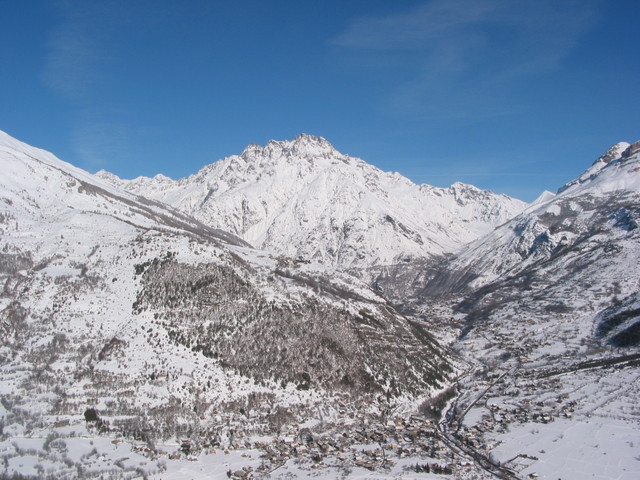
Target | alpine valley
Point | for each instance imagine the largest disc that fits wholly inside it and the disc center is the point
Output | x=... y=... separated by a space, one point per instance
x=295 y=312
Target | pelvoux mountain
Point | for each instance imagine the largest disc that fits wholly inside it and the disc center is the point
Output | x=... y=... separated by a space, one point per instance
x=303 y=198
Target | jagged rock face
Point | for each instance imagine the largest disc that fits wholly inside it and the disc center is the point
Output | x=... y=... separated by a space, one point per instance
x=303 y=198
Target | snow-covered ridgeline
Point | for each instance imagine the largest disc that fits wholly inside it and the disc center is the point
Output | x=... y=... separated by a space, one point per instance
x=555 y=221
x=303 y=198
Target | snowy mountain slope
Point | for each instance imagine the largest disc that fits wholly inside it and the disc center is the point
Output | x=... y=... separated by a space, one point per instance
x=38 y=189
x=571 y=256
x=303 y=198
x=614 y=153
x=171 y=329
x=549 y=305
x=595 y=209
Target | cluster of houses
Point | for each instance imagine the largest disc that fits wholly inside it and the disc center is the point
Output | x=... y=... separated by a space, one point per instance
x=374 y=446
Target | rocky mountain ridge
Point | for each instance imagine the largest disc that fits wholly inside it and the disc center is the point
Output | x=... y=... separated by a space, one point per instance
x=602 y=198
x=303 y=198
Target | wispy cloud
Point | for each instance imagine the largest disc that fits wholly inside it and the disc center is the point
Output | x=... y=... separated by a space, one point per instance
x=72 y=66
x=463 y=53
x=77 y=68
x=410 y=30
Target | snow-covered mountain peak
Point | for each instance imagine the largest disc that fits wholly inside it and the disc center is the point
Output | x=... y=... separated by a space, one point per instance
x=612 y=154
x=303 y=198
x=303 y=147
x=314 y=141
x=460 y=189
x=105 y=175
x=617 y=170
x=157 y=321
x=544 y=197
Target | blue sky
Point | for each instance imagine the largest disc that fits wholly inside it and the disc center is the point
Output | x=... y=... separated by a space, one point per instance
x=513 y=96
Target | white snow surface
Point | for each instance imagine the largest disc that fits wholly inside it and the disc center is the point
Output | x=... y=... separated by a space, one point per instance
x=613 y=154
x=303 y=198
